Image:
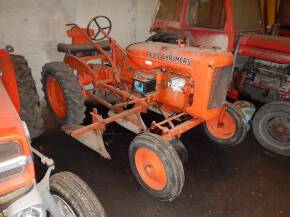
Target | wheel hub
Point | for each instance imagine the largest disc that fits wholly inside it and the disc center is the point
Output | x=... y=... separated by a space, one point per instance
x=55 y=97
x=279 y=129
x=63 y=207
x=224 y=129
x=151 y=168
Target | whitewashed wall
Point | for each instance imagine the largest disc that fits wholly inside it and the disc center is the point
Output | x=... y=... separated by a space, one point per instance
x=34 y=27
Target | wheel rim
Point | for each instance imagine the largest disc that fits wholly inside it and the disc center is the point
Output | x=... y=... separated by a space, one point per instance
x=55 y=97
x=63 y=207
x=277 y=128
x=224 y=130
x=150 y=168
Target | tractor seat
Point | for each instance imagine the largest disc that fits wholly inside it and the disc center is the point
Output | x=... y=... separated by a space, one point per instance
x=73 y=48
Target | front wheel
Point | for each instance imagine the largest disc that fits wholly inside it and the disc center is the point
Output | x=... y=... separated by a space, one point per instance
x=271 y=127
x=74 y=197
x=231 y=131
x=156 y=166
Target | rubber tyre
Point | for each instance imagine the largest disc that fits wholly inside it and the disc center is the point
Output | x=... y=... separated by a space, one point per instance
x=265 y=113
x=240 y=132
x=70 y=87
x=180 y=149
x=170 y=160
x=164 y=37
x=77 y=194
x=30 y=110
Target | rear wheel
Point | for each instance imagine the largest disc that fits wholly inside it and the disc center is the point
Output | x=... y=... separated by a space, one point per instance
x=30 y=110
x=231 y=131
x=74 y=197
x=63 y=93
x=156 y=166
x=271 y=127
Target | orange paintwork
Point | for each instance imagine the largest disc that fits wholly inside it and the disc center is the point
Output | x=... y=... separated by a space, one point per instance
x=55 y=97
x=198 y=74
x=11 y=129
x=8 y=77
x=224 y=130
x=164 y=61
x=151 y=169
x=77 y=37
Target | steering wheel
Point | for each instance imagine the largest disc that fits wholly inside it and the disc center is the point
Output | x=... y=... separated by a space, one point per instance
x=99 y=24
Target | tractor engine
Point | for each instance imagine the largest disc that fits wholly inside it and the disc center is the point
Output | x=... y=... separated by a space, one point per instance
x=191 y=80
x=265 y=81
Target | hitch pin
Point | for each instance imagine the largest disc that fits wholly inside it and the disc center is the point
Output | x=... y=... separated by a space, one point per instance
x=44 y=159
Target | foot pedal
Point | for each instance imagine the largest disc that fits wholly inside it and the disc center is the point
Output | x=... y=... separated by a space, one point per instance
x=92 y=139
x=133 y=123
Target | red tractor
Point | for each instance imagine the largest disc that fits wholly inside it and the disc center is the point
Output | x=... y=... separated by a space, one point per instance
x=261 y=62
x=187 y=86
x=63 y=194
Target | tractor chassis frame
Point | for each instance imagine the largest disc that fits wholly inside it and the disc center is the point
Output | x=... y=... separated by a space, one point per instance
x=141 y=105
x=128 y=117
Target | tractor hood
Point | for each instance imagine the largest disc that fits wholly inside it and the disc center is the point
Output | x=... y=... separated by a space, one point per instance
x=150 y=55
x=272 y=48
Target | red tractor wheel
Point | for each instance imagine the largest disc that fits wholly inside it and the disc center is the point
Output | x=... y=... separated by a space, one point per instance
x=63 y=93
x=231 y=131
x=156 y=166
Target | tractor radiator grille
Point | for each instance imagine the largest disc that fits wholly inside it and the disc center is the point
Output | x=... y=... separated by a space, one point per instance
x=220 y=85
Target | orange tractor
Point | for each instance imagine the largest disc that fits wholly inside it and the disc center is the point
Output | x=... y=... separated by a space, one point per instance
x=261 y=68
x=63 y=194
x=187 y=86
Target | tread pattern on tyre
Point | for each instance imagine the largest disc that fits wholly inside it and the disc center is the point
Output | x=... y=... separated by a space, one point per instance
x=242 y=129
x=30 y=110
x=167 y=150
x=71 y=90
x=257 y=128
x=77 y=194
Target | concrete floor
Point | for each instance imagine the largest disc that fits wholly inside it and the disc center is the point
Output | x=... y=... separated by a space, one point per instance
x=245 y=181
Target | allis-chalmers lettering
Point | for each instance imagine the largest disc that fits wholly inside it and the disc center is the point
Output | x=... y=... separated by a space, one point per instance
x=169 y=57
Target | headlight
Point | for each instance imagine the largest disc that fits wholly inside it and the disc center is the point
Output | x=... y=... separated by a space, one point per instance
x=33 y=211
x=177 y=83
x=12 y=161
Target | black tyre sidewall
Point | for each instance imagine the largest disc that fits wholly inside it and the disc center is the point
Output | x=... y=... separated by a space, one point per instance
x=77 y=194
x=260 y=119
x=170 y=160
x=30 y=110
x=241 y=129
